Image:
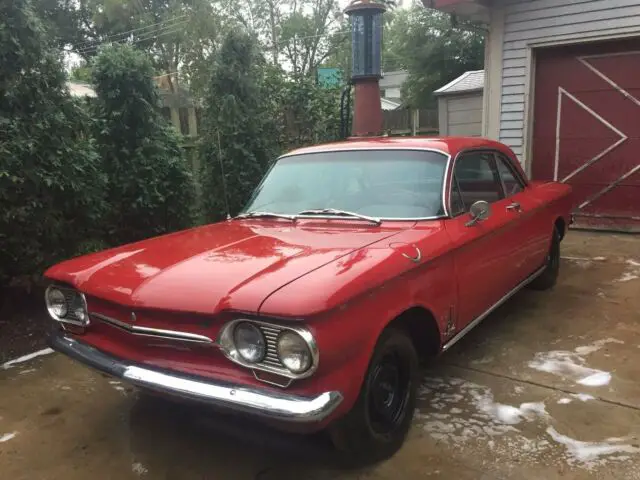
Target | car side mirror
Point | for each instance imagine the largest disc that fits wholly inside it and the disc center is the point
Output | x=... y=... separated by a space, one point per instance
x=479 y=211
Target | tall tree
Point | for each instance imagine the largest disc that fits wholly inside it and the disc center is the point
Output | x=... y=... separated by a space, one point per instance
x=62 y=21
x=434 y=51
x=298 y=34
x=238 y=135
x=51 y=186
x=150 y=188
x=179 y=35
x=310 y=34
x=264 y=18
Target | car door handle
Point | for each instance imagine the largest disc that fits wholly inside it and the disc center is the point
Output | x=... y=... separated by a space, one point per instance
x=515 y=206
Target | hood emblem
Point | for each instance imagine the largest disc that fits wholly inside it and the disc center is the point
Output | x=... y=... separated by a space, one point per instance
x=133 y=317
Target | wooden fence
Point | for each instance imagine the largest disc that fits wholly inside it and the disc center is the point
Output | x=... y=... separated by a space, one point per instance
x=410 y=122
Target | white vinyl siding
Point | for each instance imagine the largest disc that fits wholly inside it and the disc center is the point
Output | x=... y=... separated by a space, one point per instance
x=460 y=115
x=532 y=23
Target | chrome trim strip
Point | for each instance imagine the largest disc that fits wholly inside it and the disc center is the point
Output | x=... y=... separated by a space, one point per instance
x=268 y=404
x=342 y=148
x=152 y=332
x=415 y=259
x=448 y=173
x=226 y=344
x=479 y=319
x=596 y=215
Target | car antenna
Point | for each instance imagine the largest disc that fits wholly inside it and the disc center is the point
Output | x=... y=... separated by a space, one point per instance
x=224 y=180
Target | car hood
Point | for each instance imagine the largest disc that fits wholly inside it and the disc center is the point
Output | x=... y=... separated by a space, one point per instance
x=231 y=265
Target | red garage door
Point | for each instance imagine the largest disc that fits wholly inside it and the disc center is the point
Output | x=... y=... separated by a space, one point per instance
x=587 y=129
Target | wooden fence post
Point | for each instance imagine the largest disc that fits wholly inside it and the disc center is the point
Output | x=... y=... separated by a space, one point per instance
x=415 y=122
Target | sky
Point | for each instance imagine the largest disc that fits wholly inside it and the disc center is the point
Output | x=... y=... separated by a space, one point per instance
x=72 y=59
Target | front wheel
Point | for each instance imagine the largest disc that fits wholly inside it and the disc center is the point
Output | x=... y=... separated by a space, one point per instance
x=378 y=423
x=549 y=277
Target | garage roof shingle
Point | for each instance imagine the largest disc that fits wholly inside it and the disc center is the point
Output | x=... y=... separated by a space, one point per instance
x=467 y=82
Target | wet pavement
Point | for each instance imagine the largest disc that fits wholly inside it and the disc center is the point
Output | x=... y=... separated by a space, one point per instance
x=546 y=387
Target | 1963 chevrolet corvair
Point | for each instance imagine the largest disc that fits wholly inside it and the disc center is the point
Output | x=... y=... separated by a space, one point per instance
x=313 y=308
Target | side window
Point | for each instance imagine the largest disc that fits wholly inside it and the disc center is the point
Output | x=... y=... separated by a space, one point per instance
x=511 y=182
x=474 y=166
x=477 y=179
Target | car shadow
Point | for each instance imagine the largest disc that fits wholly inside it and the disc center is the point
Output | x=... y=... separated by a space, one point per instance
x=179 y=440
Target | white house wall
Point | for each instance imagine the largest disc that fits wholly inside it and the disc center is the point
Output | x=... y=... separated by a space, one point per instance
x=524 y=25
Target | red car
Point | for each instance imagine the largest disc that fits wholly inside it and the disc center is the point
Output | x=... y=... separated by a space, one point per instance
x=313 y=308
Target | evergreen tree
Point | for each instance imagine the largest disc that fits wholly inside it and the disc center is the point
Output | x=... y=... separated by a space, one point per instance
x=435 y=50
x=239 y=138
x=51 y=186
x=150 y=189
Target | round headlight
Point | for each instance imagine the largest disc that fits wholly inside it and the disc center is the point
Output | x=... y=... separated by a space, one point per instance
x=294 y=352
x=56 y=303
x=249 y=342
x=80 y=314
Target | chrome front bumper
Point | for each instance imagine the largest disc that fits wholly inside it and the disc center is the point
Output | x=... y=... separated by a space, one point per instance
x=265 y=403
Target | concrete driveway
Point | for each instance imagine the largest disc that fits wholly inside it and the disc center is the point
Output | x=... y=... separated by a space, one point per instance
x=547 y=387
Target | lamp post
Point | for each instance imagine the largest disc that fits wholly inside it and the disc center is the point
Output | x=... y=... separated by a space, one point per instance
x=366 y=35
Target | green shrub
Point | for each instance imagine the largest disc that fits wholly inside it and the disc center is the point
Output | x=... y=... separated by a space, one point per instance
x=238 y=137
x=51 y=185
x=150 y=188
x=310 y=113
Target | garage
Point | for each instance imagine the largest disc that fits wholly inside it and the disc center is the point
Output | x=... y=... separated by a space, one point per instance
x=562 y=89
x=585 y=132
x=460 y=105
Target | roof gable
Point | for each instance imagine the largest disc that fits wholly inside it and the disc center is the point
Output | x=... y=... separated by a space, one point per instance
x=470 y=81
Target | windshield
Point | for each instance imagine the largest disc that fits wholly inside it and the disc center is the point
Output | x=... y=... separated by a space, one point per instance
x=380 y=183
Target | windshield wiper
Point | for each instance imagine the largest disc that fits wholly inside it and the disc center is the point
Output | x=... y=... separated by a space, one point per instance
x=265 y=214
x=345 y=213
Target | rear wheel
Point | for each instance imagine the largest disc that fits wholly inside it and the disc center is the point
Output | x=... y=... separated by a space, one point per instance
x=549 y=277
x=377 y=425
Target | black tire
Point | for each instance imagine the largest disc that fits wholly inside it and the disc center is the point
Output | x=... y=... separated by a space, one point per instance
x=379 y=421
x=549 y=277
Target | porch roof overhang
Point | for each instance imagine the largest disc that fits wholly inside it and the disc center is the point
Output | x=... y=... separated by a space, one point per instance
x=477 y=10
